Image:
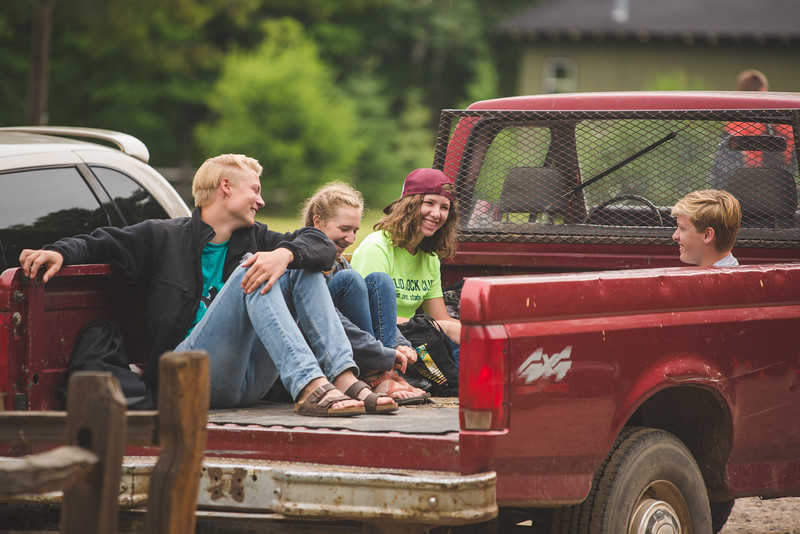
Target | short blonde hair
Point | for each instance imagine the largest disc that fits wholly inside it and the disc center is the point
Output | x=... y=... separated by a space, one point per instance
x=208 y=177
x=715 y=209
x=329 y=198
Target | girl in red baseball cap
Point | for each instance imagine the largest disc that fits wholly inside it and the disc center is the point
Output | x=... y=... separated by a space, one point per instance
x=419 y=229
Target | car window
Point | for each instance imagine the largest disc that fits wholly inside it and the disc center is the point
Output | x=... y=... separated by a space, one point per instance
x=40 y=206
x=133 y=201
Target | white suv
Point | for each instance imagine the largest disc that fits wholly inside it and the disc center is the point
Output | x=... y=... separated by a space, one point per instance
x=52 y=186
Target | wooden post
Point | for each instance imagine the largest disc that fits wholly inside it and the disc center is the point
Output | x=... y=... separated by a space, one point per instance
x=96 y=422
x=183 y=396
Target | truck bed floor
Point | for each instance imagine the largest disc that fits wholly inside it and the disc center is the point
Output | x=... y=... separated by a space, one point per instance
x=438 y=416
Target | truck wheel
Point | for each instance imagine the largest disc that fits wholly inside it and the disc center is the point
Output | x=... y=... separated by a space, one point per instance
x=649 y=484
x=720 y=511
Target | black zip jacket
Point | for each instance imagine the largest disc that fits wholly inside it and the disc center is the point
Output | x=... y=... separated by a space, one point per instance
x=164 y=255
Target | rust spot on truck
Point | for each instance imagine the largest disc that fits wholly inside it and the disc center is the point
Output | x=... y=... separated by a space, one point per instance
x=226 y=483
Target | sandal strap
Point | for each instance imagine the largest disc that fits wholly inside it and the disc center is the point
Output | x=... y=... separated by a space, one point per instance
x=316 y=404
x=320 y=392
x=333 y=400
x=399 y=379
x=317 y=395
x=398 y=384
x=371 y=400
x=355 y=389
x=382 y=377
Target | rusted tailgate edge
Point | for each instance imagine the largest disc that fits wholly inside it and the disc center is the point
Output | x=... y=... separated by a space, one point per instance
x=311 y=491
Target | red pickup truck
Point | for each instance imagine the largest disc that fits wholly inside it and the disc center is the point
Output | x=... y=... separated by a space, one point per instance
x=604 y=387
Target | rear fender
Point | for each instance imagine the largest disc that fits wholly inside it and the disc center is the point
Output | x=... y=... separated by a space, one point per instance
x=678 y=371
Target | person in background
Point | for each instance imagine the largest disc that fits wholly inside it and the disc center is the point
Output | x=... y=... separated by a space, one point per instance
x=751 y=80
x=367 y=304
x=708 y=222
x=409 y=241
x=727 y=160
x=221 y=282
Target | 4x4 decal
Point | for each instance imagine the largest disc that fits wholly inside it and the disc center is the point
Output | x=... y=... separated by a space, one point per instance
x=540 y=365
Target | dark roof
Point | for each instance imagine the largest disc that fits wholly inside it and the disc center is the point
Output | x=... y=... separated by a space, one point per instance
x=712 y=20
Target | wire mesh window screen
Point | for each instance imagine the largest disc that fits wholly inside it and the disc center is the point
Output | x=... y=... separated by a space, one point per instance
x=614 y=176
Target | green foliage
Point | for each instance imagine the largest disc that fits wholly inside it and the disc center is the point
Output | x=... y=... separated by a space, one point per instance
x=484 y=83
x=396 y=142
x=140 y=66
x=279 y=104
x=354 y=96
x=677 y=81
x=438 y=46
x=16 y=21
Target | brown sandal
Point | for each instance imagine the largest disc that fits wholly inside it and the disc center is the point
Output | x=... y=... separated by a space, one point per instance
x=317 y=406
x=371 y=401
x=402 y=385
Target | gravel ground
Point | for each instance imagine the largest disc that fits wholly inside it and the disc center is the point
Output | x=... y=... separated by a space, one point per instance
x=754 y=516
x=749 y=516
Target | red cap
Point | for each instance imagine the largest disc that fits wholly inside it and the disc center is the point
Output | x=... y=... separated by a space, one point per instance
x=425 y=182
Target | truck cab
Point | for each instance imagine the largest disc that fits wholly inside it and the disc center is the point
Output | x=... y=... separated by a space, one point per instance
x=581 y=325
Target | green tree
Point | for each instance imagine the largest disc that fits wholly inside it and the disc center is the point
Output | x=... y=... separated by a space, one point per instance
x=404 y=60
x=147 y=67
x=16 y=25
x=148 y=72
x=441 y=47
x=280 y=105
x=398 y=138
x=140 y=66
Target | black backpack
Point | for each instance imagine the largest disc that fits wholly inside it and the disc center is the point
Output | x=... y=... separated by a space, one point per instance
x=435 y=363
x=99 y=347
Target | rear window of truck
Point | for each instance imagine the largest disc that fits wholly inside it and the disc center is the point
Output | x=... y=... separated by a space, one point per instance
x=614 y=176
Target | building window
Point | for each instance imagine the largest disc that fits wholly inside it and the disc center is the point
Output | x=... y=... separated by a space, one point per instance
x=560 y=75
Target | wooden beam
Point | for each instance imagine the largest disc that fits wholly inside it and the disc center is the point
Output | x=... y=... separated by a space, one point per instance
x=183 y=396
x=96 y=422
x=44 y=428
x=32 y=427
x=54 y=470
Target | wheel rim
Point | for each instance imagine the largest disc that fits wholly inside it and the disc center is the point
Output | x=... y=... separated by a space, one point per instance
x=661 y=509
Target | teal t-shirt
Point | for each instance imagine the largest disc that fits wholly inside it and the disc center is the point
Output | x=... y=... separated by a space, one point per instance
x=416 y=277
x=213 y=261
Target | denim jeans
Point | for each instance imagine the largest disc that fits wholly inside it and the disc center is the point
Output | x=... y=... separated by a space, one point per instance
x=369 y=302
x=253 y=339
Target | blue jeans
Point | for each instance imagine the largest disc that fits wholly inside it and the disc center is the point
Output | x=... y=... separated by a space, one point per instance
x=370 y=302
x=253 y=339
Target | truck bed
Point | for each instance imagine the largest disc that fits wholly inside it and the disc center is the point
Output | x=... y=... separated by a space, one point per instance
x=439 y=416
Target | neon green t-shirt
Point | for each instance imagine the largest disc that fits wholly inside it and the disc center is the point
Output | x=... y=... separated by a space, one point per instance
x=416 y=277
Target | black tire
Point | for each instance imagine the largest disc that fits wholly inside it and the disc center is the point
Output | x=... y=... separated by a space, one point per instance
x=649 y=475
x=720 y=511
